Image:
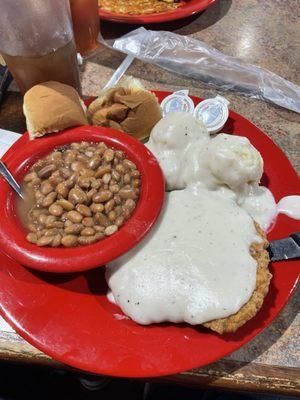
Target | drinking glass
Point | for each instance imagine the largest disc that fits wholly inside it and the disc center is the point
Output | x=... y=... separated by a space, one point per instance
x=86 y=25
x=37 y=42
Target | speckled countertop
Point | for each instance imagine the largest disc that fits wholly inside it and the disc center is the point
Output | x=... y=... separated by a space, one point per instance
x=265 y=33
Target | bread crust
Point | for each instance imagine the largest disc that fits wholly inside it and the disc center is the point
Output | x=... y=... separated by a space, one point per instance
x=131 y=110
x=52 y=107
x=249 y=310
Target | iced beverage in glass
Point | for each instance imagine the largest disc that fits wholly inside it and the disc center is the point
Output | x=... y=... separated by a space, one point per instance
x=39 y=45
x=85 y=24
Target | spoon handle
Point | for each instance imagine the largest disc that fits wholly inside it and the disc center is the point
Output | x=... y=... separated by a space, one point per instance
x=10 y=179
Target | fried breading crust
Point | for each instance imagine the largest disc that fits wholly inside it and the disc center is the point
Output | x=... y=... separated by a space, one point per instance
x=249 y=310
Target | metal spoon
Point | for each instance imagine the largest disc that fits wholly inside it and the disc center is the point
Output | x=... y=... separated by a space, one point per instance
x=10 y=179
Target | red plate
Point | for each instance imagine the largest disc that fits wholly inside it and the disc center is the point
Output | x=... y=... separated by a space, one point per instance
x=69 y=318
x=188 y=8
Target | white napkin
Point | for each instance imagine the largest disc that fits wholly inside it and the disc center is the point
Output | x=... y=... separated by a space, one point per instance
x=7 y=138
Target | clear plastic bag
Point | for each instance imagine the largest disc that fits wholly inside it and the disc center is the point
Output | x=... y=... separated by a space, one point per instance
x=195 y=59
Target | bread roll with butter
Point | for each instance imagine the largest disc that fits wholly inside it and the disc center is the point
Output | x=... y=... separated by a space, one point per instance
x=52 y=107
x=127 y=107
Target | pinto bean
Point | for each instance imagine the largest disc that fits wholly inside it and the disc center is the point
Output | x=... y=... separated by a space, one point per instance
x=119 y=154
x=85 y=240
x=129 y=204
x=46 y=171
x=65 y=204
x=94 y=162
x=112 y=216
x=114 y=188
x=56 y=209
x=119 y=220
x=108 y=155
x=136 y=183
x=49 y=199
x=88 y=173
x=84 y=182
x=127 y=194
x=117 y=199
x=84 y=210
x=102 y=196
x=104 y=169
x=115 y=175
x=30 y=177
x=106 y=178
x=56 y=242
x=62 y=189
x=120 y=169
x=109 y=206
x=95 y=183
x=42 y=218
x=81 y=193
x=55 y=178
x=70 y=182
x=31 y=237
x=69 y=240
x=87 y=231
x=74 y=229
x=99 y=235
x=76 y=166
x=102 y=219
x=88 y=221
x=46 y=187
x=111 y=229
x=44 y=240
x=96 y=207
x=99 y=228
x=74 y=216
x=77 y=195
x=129 y=164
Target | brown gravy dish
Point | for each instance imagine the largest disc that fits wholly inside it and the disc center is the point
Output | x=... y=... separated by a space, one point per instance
x=78 y=195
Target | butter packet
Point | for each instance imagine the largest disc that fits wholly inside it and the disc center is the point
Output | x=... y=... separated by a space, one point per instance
x=212 y=112
x=177 y=101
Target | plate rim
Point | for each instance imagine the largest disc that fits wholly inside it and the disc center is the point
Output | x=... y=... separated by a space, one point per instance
x=187 y=10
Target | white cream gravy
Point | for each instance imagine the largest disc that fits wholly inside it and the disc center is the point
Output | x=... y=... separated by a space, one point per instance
x=289 y=205
x=195 y=265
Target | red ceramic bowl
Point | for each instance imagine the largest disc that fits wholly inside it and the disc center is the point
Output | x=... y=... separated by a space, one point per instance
x=25 y=153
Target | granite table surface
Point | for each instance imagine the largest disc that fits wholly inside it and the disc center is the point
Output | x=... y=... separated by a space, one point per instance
x=265 y=33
